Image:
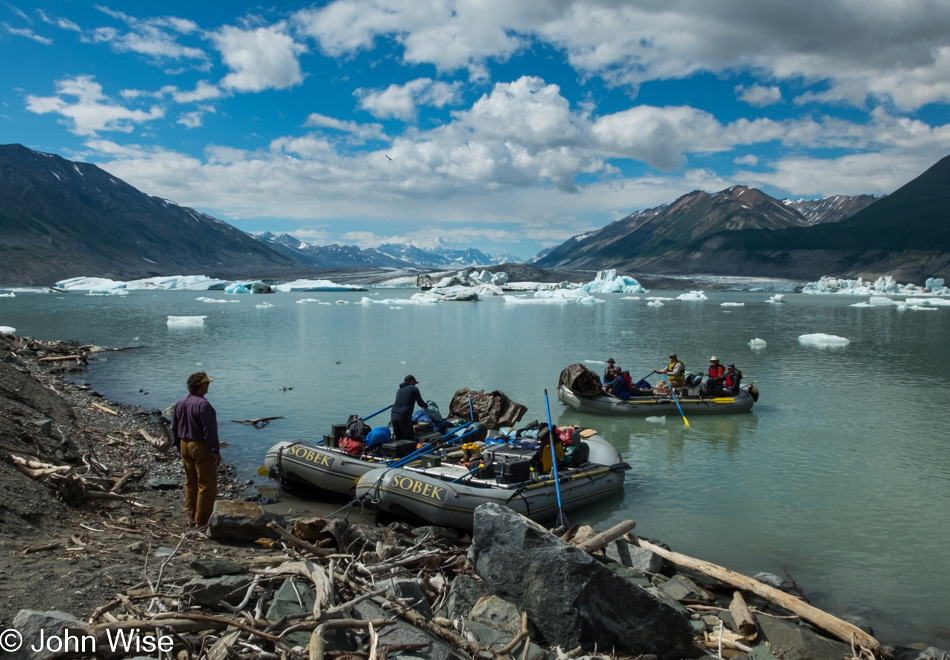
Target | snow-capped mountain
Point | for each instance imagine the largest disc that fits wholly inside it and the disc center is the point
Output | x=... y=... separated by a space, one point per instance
x=389 y=255
x=328 y=256
x=830 y=209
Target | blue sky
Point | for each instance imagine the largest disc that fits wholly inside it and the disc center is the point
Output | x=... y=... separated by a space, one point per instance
x=505 y=125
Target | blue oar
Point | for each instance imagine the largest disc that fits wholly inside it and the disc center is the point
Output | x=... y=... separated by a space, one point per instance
x=471 y=410
x=675 y=400
x=561 y=519
x=457 y=479
x=409 y=457
x=379 y=411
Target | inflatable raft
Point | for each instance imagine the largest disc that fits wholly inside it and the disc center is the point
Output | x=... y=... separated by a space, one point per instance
x=447 y=495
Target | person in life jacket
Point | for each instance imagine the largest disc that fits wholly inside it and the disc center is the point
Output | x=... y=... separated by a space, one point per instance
x=716 y=370
x=619 y=387
x=732 y=380
x=609 y=371
x=675 y=371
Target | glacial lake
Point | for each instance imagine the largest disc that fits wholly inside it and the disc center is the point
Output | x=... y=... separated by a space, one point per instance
x=839 y=475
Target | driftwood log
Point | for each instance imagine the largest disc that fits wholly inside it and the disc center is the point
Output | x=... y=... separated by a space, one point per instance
x=159 y=443
x=745 y=623
x=841 y=629
x=599 y=541
x=104 y=409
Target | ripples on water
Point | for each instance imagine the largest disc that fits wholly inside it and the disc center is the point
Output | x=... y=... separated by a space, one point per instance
x=841 y=473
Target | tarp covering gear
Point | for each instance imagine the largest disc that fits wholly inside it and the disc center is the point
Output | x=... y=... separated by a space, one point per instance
x=493 y=409
x=581 y=380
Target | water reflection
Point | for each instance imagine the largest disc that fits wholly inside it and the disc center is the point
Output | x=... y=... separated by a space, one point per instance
x=720 y=432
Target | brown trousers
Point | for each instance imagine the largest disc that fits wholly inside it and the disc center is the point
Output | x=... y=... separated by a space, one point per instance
x=201 y=480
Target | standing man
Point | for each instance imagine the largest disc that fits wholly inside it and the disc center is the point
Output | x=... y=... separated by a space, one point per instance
x=195 y=434
x=406 y=397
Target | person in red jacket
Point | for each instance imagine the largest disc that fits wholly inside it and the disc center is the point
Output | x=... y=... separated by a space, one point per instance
x=716 y=370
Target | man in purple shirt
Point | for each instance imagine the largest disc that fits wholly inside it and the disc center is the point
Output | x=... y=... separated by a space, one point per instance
x=195 y=434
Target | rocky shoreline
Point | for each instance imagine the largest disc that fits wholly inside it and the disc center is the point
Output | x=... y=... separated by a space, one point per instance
x=93 y=541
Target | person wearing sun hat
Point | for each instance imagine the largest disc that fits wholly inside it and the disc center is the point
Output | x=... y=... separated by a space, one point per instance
x=716 y=370
x=195 y=436
x=609 y=371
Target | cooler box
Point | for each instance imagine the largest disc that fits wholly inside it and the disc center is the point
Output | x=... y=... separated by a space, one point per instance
x=512 y=470
x=397 y=448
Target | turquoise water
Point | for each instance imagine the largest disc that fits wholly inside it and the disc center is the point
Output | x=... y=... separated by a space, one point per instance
x=840 y=474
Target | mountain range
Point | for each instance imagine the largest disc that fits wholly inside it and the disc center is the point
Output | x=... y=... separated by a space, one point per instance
x=742 y=231
x=61 y=219
x=387 y=255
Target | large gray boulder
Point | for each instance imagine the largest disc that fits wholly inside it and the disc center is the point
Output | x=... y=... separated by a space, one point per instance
x=571 y=597
x=45 y=631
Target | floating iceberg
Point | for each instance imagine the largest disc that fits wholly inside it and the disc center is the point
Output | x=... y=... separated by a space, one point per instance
x=884 y=285
x=185 y=321
x=8 y=295
x=732 y=304
x=461 y=292
x=263 y=305
x=168 y=283
x=7 y=330
x=236 y=287
x=316 y=285
x=654 y=303
x=607 y=281
x=89 y=284
x=177 y=282
x=756 y=343
x=823 y=340
x=205 y=299
x=555 y=297
x=109 y=292
x=777 y=298
x=692 y=295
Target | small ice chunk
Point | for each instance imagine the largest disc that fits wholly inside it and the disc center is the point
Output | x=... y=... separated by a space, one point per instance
x=7 y=330
x=756 y=343
x=8 y=295
x=657 y=420
x=263 y=305
x=822 y=340
x=307 y=300
x=692 y=295
x=732 y=304
x=654 y=303
x=185 y=321
x=206 y=299
x=777 y=298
